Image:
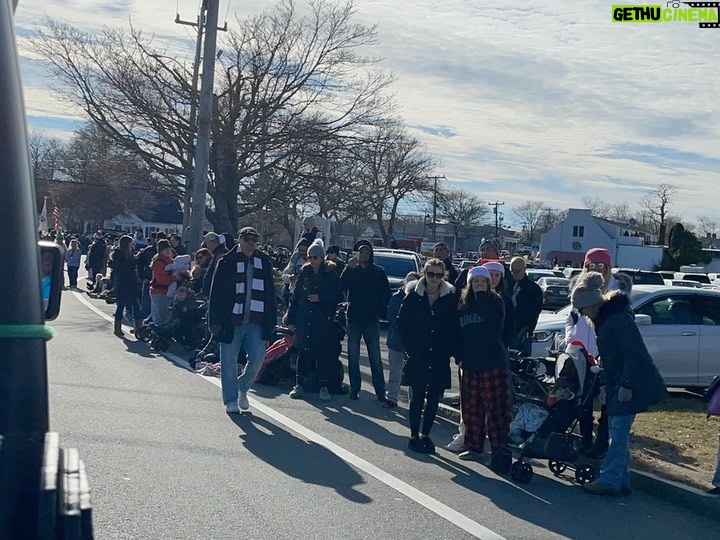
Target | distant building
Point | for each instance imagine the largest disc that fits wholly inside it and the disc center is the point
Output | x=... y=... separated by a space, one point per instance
x=166 y=216
x=580 y=231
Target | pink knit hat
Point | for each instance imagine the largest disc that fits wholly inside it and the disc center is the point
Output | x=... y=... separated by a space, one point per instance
x=598 y=255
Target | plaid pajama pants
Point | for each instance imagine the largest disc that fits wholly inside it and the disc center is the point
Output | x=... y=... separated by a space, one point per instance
x=485 y=402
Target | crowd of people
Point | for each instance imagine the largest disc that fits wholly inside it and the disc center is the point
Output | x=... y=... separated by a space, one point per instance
x=475 y=318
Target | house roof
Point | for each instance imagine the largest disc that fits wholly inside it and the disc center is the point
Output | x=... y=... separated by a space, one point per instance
x=165 y=211
x=623 y=225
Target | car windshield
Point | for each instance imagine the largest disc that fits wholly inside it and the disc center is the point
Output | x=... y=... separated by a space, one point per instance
x=635 y=297
x=395 y=266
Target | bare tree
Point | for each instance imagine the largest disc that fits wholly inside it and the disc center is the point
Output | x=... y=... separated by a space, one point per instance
x=45 y=155
x=549 y=219
x=708 y=228
x=529 y=215
x=394 y=168
x=286 y=76
x=598 y=207
x=99 y=179
x=619 y=211
x=462 y=210
x=656 y=203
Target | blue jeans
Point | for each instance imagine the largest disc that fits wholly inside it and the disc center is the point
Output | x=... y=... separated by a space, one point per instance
x=396 y=359
x=73 y=275
x=615 y=470
x=249 y=338
x=370 y=332
x=145 y=302
x=160 y=309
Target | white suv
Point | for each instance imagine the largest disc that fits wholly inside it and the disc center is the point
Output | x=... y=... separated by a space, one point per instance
x=680 y=327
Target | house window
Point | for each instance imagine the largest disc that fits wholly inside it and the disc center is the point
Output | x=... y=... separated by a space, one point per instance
x=578 y=231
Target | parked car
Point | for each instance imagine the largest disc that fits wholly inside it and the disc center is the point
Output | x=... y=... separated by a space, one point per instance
x=683 y=283
x=700 y=278
x=641 y=277
x=571 y=272
x=397 y=263
x=555 y=291
x=536 y=274
x=680 y=326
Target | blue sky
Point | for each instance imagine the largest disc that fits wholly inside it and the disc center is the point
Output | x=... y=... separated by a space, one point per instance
x=519 y=100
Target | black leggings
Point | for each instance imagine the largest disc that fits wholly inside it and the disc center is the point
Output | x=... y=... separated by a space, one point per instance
x=430 y=397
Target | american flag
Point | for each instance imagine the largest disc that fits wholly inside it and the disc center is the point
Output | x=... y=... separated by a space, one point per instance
x=56 y=215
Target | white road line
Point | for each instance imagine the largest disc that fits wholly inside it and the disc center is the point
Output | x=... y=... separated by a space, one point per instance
x=81 y=297
x=442 y=510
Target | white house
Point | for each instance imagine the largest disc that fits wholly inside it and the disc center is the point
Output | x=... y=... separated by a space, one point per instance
x=580 y=231
x=166 y=216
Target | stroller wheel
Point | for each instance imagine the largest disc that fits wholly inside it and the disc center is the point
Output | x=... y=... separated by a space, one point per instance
x=556 y=467
x=500 y=462
x=585 y=474
x=270 y=378
x=521 y=472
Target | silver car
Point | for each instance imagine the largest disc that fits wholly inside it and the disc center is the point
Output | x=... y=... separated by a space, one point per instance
x=680 y=326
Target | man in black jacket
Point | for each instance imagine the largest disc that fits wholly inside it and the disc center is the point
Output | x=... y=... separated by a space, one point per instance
x=442 y=252
x=242 y=313
x=527 y=299
x=368 y=295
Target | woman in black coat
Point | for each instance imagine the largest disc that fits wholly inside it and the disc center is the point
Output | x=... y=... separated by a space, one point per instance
x=311 y=315
x=127 y=283
x=631 y=381
x=428 y=326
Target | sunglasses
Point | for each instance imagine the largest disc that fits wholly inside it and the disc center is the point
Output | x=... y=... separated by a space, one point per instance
x=251 y=239
x=314 y=257
x=596 y=266
x=436 y=275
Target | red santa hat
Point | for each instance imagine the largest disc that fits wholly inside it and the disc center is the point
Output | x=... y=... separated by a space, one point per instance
x=576 y=347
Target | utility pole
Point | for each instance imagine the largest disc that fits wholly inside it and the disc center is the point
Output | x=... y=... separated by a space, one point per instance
x=200 y=25
x=495 y=211
x=434 y=221
x=202 y=149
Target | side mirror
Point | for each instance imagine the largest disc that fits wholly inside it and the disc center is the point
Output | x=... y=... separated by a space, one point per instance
x=52 y=261
x=643 y=320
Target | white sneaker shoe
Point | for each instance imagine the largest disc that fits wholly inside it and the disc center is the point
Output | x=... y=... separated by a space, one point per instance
x=243 y=401
x=232 y=408
x=457 y=444
x=324 y=394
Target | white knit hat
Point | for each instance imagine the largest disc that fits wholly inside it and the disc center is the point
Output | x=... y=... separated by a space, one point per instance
x=478 y=271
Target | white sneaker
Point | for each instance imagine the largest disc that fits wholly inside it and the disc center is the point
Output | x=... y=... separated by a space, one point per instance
x=232 y=408
x=324 y=394
x=243 y=401
x=457 y=444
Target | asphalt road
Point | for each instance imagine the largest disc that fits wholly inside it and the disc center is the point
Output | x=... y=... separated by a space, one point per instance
x=166 y=462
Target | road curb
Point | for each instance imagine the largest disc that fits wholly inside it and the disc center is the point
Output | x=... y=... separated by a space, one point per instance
x=667 y=490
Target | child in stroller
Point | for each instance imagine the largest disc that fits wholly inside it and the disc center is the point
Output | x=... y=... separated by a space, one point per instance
x=186 y=327
x=543 y=427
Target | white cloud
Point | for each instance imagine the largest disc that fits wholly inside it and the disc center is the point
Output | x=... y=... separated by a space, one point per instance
x=527 y=99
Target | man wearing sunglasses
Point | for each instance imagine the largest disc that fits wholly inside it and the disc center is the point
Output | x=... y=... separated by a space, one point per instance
x=242 y=313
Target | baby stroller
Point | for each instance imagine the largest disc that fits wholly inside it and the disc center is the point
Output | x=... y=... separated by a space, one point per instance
x=280 y=359
x=550 y=408
x=187 y=331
